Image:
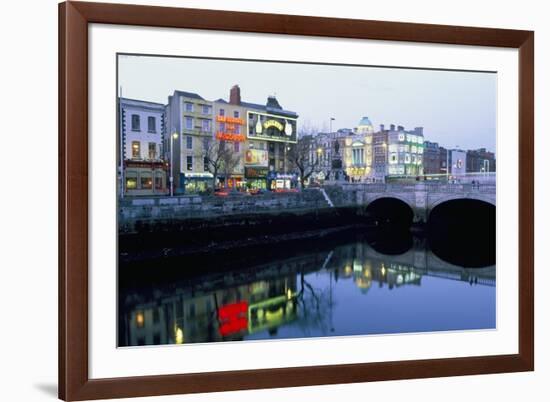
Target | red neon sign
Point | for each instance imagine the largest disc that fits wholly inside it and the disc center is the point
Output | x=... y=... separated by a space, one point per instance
x=228 y=119
x=229 y=136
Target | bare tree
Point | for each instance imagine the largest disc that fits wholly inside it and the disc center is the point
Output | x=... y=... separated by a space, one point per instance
x=302 y=156
x=213 y=157
x=230 y=160
x=219 y=156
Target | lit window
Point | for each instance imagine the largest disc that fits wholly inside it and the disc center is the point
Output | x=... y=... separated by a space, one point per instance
x=135 y=150
x=131 y=181
x=146 y=181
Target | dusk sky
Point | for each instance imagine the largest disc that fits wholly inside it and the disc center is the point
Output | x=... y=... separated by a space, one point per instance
x=455 y=108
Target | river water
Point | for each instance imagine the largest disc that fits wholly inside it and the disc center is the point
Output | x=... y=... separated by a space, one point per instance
x=348 y=285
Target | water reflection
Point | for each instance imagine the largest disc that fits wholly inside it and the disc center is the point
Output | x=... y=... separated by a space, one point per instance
x=348 y=289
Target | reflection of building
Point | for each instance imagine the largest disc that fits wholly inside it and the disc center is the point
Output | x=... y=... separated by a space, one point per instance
x=191 y=316
x=191 y=117
x=142 y=129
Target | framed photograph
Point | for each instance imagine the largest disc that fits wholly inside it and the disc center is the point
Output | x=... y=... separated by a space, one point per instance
x=262 y=200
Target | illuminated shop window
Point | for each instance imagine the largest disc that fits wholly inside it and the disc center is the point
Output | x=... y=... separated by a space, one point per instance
x=146 y=181
x=131 y=181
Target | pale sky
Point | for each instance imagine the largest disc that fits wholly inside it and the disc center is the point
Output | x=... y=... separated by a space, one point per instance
x=455 y=108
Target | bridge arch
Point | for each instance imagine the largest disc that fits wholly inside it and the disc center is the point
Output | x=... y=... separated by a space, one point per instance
x=390 y=209
x=463 y=230
x=487 y=198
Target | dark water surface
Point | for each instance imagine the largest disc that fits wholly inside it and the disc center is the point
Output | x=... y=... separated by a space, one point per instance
x=349 y=285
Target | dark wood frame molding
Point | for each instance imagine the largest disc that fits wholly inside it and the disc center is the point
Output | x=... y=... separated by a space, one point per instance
x=74 y=17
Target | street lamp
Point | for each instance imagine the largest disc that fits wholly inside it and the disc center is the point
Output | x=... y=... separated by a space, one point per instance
x=173 y=137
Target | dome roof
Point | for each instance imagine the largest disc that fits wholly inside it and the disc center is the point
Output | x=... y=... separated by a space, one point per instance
x=365 y=121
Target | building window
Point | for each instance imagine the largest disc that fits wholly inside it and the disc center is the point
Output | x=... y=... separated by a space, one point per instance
x=189 y=123
x=135 y=122
x=401 y=137
x=189 y=142
x=151 y=124
x=152 y=150
x=131 y=181
x=135 y=150
x=236 y=146
x=222 y=112
x=206 y=126
x=222 y=127
x=189 y=163
x=158 y=182
x=205 y=109
x=188 y=107
x=146 y=181
x=236 y=114
x=205 y=164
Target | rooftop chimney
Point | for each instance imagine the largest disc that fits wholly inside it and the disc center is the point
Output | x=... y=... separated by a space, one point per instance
x=419 y=130
x=392 y=127
x=235 y=95
x=381 y=127
x=400 y=128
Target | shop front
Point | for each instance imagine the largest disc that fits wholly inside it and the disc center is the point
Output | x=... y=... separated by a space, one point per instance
x=143 y=178
x=282 y=181
x=256 y=178
x=197 y=183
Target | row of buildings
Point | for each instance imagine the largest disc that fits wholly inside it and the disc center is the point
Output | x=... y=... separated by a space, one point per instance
x=364 y=154
x=193 y=145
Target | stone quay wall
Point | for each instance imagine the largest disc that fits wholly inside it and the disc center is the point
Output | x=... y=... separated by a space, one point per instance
x=137 y=212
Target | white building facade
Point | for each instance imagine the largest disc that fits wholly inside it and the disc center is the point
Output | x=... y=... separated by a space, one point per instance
x=141 y=135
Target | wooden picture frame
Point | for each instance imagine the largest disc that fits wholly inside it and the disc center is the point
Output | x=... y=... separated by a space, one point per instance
x=74 y=381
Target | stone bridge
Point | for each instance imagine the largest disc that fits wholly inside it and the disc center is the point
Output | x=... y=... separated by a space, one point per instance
x=421 y=197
